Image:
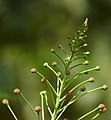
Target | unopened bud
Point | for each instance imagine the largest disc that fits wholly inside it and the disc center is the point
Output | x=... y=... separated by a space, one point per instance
x=98 y=68
x=105 y=87
x=86 y=62
x=17 y=91
x=52 y=50
x=38 y=108
x=43 y=80
x=101 y=106
x=91 y=79
x=5 y=101
x=69 y=94
x=54 y=64
x=33 y=70
x=45 y=64
x=86 y=53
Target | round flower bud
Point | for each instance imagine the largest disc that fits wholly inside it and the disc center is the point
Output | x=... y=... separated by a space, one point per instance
x=85 y=45
x=105 y=87
x=83 y=88
x=69 y=94
x=5 y=101
x=101 y=106
x=104 y=110
x=43 y=80
x=17 y=91
x=66 y=118
x=98 y=68
x=52 y=50
x=91 y=79
x=54 y=64
x=38 y=108
x=45 y=64
x=87 y=53
x=33 y=70
x=86 y=62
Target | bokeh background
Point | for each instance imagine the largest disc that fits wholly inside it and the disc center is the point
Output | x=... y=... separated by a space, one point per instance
x=29 y=29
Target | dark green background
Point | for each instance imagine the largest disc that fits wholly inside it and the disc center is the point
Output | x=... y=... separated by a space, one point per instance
x=29 y=28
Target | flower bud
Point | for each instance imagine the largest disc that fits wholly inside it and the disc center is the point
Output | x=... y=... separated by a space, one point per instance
x=104 y=110
x=86 y=62
x=86 y=53
x=17 y=91
x=105 y=87
x=33 y=70
x=91 y=79
x=5 y=101
x=38 y=108
x=101 y=106
x=45 y=64
x=69 y=94
x=54 y=64
x=98 y=68
x=52 y=50
x=43 y=80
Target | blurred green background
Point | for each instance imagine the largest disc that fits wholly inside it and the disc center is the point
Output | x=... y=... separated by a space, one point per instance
x=29 y=29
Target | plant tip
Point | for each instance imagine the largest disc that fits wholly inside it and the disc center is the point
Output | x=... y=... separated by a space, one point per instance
x=38 y=108
x=33 y=70
x=105 y=87
x=45 y=64
x=66 y=118
x=91 y=79
x=5 y=101
x=43 y=80
x=54 y=64
x=16 y=90
x=98 y=68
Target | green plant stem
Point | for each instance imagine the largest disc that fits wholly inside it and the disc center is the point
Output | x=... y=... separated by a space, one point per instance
x=88 y=113
x=77 y=75
x=55 y=112
x=29 y=104
x=47 y=105
x=10 y=109
x=75 y=88
x=42 y=104
x=52 y=70
x=97 y=115
x=60 y=59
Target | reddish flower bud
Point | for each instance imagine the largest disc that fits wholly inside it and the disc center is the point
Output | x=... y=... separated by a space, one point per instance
x=5 y=101
x=91 y=79
x=17 y=91
x=101 y=106
x=37 y=108
x=69 y=94
x=43 y=80
x=104 y=110
x=33 y=70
